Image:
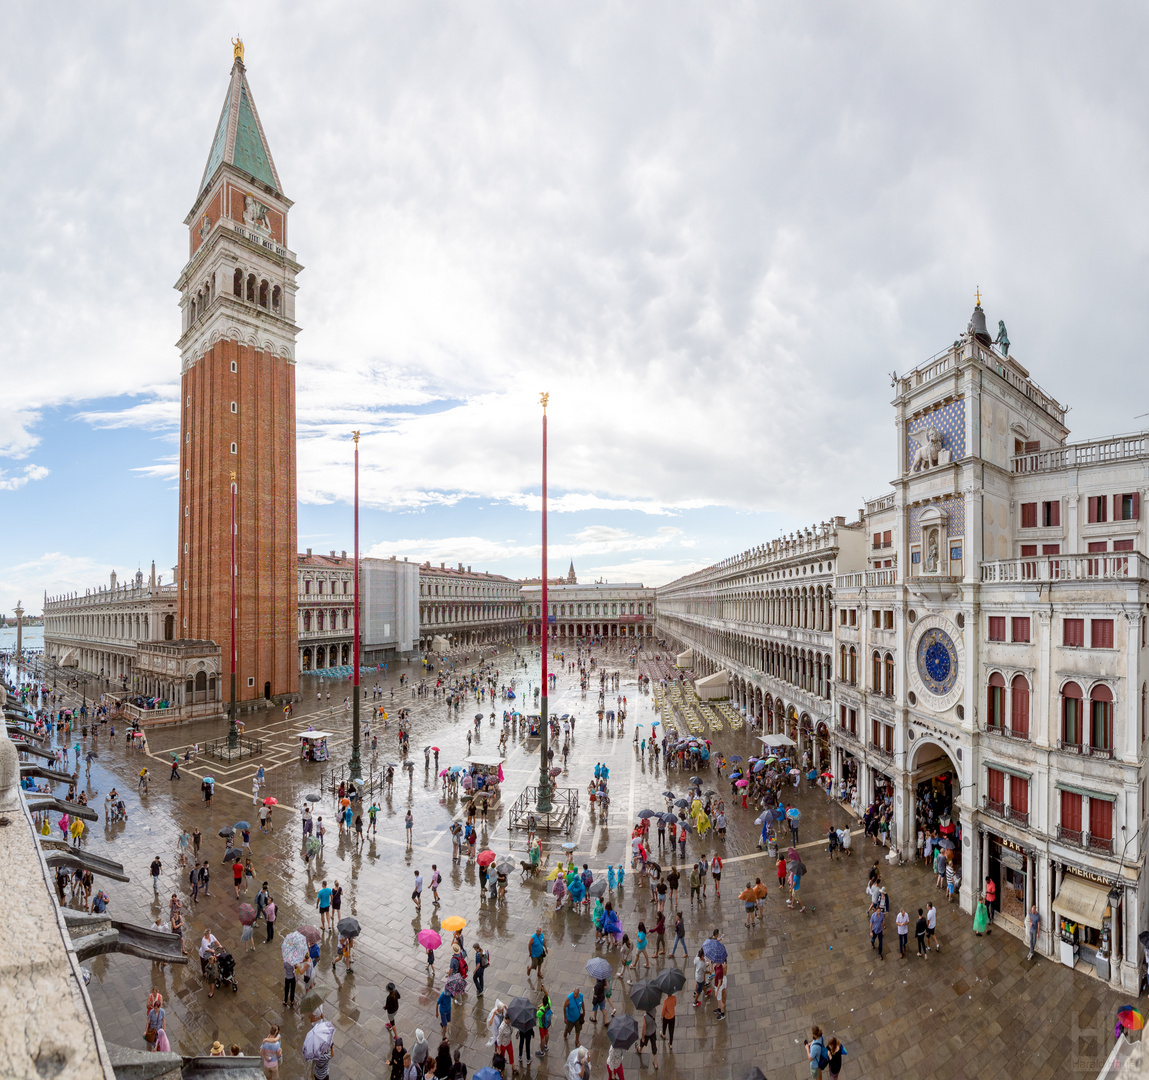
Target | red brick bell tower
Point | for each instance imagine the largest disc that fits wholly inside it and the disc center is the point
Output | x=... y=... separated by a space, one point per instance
x=237 y=408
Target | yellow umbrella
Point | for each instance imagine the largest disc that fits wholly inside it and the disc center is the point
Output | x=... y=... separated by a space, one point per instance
x=453 y=923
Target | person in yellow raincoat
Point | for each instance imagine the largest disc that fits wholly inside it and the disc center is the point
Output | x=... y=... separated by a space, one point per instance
x=77 y=830
x=702 y=823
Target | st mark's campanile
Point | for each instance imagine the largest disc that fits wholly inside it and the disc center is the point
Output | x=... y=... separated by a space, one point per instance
x=237 y=407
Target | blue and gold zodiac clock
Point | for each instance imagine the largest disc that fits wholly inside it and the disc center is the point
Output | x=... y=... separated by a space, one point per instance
x=937 y=661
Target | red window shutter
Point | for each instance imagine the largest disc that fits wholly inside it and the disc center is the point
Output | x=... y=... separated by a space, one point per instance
x=1122 y=545
x=1028 y=551
x=1032 y=446
x=1101 y=819
x=1101 y=633
x=1074 y=632
x=1092 y=503
x=1020 y=630
x=1019 y=794
x=1071 y=811
x=1136 y=506
x=1051 y=549
x=1055 y=512
x=1019 y=720
x=877 y=539
x=1029 y=515
x=997 y=628
x=1098 y=545
x=995 y=785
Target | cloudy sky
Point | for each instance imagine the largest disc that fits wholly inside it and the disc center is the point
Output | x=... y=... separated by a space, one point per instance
x=710 y=231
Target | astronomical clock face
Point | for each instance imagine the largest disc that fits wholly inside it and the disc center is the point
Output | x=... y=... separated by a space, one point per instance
x=935 y=670
x=937 y=662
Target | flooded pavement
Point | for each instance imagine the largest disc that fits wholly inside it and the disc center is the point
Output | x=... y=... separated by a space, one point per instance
x=976 y=1008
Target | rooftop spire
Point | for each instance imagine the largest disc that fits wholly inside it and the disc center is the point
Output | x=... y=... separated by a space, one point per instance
x=239 y=139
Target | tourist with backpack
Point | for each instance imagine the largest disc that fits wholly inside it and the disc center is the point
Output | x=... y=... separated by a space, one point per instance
x=482 y=962
x=817 y=1053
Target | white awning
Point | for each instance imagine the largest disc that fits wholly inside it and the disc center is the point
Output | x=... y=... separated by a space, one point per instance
x=777 y=740
x=685 y=659
x=314 y=735
x=1082 y=901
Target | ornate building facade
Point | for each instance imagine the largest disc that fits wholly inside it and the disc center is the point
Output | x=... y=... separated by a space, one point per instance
x=467 y=608
x=765 y=617
x=599 y=610
x=237 y=416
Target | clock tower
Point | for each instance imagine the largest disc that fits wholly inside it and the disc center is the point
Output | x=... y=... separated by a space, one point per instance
x=237 y=409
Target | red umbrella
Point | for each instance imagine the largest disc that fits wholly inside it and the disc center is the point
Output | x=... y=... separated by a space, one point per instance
x=435 y=749
x=270 y=802
x=247 y=915
x=485 y=858
x=310 y=933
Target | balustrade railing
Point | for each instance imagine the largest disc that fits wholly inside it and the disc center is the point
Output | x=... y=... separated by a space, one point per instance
x=1095 y=452
x=1064 y=568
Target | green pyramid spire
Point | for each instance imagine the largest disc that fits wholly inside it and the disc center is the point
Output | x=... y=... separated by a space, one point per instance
x=239 y=138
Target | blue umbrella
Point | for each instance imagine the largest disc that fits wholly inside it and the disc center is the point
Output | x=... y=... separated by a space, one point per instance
x=487 y=1073
x=714 y=951
x=241 y=825
x=759 y=766
x=735 y=757
x=598 y=968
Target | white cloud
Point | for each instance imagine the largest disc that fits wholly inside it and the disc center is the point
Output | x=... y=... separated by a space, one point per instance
x=148 y=415
x=67 y=573
x=16 y=438
x=29 y=473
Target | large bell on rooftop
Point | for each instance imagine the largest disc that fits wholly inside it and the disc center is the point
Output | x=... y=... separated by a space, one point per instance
x=977 y=326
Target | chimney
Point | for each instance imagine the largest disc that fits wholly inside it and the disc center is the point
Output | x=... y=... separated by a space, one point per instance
x=839 y=520
x=468 y=569
x=333 y=553
x=862 y=514
x=343 y=554
x=442 y=566
x=460 y=568
x=309 y=553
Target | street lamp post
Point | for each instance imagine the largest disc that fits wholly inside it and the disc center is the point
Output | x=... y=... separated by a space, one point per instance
x=232 y=730
x=546 y=788
x=355 y=765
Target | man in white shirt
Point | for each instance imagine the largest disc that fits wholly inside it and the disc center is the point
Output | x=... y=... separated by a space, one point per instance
x=931 y=928
x=903 y=923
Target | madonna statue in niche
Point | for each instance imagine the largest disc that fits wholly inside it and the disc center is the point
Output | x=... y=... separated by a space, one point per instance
x=932 y=553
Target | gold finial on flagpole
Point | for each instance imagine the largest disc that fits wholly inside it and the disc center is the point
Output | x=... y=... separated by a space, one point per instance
x=543 y=399
x=355 y=436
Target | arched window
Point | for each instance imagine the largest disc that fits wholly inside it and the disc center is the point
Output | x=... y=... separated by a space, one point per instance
x=889 y=675
x=345 y=615
x=1071 y=729
x=1101 y=721
x=251 y=288
x=191 y=313
x=1019 y=707
x=237 y=284
x=275 y=298
x=263 y=291
x=853 y=666
x=307 y=620
x=877 y=678
x=319 y=620
x=842 y=666
x=995 y=702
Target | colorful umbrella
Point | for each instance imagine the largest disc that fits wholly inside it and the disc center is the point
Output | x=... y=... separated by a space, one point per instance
x=270 y=801
x=294 y=948
x=568 y=846
x=1130 y=1019
x=598 y=968
x=455 y=985
x=485 y=858
x=428 y=939
x=453 y=923
x=310 y=933
x=247 y=915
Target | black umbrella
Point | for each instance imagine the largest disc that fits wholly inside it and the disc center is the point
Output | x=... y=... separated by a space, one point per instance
x=647 y=814
x=681 y=802
x=710 y=792
x=653 y=867
x=622 y=1032
x=670 y=981
x=1143 y=937
x=597 y=887
x=645 y=995
x=478 y=716
x=311 y=797
x=755 y=1073
x=521 y=1014
x=232 y=853
x=348 y=926
x=668 y=794
x=227 y=830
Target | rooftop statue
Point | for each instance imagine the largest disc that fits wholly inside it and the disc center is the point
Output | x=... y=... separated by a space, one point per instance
x=1002 y=338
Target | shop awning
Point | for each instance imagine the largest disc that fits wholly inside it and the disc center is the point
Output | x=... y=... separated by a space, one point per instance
x=1082 y=901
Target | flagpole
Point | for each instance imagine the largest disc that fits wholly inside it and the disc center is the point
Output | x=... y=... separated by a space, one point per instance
x=355 y=765
x=546 y=788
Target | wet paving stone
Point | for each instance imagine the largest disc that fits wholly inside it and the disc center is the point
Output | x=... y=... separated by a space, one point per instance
x=977 y=1008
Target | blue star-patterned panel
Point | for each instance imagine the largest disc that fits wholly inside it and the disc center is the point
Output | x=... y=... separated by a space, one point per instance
x=937 y=662
x=954 y=507
x=949 y=420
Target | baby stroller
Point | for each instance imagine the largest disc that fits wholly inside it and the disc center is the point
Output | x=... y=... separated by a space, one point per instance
x=117 y=811
x=226 y=964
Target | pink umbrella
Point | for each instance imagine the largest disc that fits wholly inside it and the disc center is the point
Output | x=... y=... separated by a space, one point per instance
x=429 y=939
x=743 y=783
x=310 y=933
x=443 y=772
